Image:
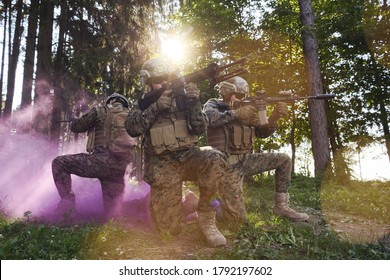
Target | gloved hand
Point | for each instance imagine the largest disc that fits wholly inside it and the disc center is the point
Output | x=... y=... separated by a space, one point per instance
x=280 y=111
x=192 y=92
x=246 y=114
x=165 y=101
x=254 y=121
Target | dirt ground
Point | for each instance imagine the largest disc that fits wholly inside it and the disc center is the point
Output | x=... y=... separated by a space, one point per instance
x=142 y=243
x=355 y=228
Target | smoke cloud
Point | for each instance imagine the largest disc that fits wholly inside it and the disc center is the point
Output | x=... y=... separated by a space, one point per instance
x=27 y=186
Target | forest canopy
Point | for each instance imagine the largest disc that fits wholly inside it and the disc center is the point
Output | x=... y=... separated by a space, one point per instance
x=74 y=53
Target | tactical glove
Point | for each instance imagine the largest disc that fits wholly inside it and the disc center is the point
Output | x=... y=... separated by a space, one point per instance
x=254 y=121
x=165 y=101
x=280 y=111
x=192 y=92
x=246 y=114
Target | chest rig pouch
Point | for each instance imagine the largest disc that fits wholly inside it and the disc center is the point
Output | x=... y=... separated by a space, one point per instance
x=235 y=138
x=241 y=137
x=171 y=134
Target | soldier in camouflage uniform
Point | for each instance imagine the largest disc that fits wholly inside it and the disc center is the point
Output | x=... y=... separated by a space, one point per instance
x=172 y=155
x=101 y=163
x=233 y=131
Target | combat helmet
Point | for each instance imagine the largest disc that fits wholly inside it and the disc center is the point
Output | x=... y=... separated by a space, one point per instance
x=155 y=70
x=116 y=97
x=235 y=85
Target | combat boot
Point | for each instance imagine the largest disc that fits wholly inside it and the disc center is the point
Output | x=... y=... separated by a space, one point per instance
x=206 y=221
x=283 y=209
x=66 y=207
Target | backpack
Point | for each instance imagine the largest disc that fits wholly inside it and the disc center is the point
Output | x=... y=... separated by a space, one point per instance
x=117 y=139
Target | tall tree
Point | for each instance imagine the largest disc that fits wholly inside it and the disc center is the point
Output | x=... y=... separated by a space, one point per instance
x=14 y=57
x=318 y=120
x=29 y=60
x=354 y=60
x=43 y=83
x=59 y=74
x=5 y=9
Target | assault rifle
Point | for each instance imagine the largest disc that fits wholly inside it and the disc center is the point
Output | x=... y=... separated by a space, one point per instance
x=260 y=101
x=214 y=73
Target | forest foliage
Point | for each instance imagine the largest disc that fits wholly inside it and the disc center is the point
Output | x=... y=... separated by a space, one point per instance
x=74 y=53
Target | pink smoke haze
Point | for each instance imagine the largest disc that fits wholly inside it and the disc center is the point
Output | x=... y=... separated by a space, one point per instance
x=26 y=182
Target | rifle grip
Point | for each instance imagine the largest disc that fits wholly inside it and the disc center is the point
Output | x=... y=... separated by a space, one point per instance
x=263 y=117
x=261 y=106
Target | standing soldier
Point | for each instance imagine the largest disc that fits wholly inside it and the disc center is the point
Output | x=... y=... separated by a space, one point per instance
x=233 y=132
x=172 y=154
x=109 y=146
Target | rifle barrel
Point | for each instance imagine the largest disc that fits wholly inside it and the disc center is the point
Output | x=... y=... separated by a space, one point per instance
x=238 y=61
x=295 y=98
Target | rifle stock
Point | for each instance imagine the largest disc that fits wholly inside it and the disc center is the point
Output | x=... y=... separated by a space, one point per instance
x=214 y=73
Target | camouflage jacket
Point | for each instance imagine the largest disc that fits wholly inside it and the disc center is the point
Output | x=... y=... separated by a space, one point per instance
x=89 y=120
x=140 y=122
x=219 y=114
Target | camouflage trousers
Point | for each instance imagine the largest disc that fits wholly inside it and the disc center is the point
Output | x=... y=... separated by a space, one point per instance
x=101 y=164
x=166 y=174
x=231 y=192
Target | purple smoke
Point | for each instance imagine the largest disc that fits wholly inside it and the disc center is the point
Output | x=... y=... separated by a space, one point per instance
x=26 y=182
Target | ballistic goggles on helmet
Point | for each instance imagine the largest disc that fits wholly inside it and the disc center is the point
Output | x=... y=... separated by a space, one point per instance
x=236 y=85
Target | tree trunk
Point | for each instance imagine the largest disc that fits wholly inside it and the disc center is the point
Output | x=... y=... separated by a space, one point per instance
x=341 y=169
x=13 y=63
x=43 y=81
x=384 y=94
x=319 y=133
x=3 y=56
x=385 y=124
x=292 y=140
x=59 y=73
x=30 y=54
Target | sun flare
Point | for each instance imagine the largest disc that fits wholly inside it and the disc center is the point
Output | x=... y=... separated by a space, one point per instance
x=174 y=49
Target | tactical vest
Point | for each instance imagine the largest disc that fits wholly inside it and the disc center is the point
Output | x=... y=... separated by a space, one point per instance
x=170 y=133
x=234 y=138
x=110 y=131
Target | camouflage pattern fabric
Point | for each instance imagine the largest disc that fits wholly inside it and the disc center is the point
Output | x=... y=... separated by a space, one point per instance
x=166 y=172
x=231 y=191
x=101 y=164
x=89 y=120
x=139 y=122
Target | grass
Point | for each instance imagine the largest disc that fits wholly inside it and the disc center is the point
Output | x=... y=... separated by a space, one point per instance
x=347 y=222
